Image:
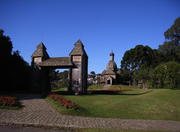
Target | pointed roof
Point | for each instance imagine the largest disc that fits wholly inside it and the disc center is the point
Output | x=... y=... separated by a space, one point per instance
x=40 y=51
x=111 y=65
x=108 y=72
x=112 y=53
x=78 y=49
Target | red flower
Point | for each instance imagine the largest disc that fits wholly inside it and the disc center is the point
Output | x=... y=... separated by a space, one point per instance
x=63 y=101
x=8 y=101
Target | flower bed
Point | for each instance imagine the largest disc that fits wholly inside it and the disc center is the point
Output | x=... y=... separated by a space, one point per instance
x=8 y=101
x=63 y=101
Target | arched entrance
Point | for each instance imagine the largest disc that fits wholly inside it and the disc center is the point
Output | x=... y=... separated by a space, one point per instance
x=108 y=82
x=77 y=63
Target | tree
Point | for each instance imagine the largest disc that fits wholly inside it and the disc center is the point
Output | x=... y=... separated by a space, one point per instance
x=63 y=81
x=173 y=33
x=59 y=79
x=147 y=65
x=5 y=46
x=167 y=75
x=92 y=74
x=15 y=72
x=136 y=57
x=171 y=46
x=21 y=72
x=143 y=76
x=5 y=57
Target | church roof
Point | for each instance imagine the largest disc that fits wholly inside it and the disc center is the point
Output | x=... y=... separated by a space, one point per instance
x=112 y=65
x=40 y=51
x=57 y=62
x=78 y=49
x=111 y=54
x=108 y=72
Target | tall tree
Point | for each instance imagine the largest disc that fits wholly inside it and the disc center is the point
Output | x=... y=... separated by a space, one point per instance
x=15 y=72
x=167 y=75
x=136 y=57
x=171 y=46
x=5 y=57
x=5 y=46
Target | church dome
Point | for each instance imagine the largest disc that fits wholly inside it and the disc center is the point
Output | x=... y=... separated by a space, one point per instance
x=111 y=65
x=111 y=54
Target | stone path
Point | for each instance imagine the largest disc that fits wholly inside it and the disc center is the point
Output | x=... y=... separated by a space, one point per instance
x=30 y=129
x=37 y=112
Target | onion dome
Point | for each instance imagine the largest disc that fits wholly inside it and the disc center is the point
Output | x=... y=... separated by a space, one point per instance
x=111 y=65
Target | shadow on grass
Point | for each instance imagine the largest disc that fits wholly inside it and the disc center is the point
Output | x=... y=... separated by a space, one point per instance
x=105 y=92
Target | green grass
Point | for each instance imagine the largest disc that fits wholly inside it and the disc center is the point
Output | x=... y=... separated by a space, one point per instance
x=159 y=104
x=123 y=87
x=59 y=89
x=99 y=86
x=93 y=87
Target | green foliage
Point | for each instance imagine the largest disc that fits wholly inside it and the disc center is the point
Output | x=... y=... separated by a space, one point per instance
x=59 y=79
x=125 y=77
x=145 y=66
x=171 y=47
x=173 y=33
x=142 y=74
x=167 y=75
x=137 y=57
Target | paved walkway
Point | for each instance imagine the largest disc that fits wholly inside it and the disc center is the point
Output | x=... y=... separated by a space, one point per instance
x=30 y=129
x=37 y=112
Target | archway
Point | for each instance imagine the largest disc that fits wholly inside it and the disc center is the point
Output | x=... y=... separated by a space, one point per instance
x=108 y=81
x=59 y=80
x=77 y=63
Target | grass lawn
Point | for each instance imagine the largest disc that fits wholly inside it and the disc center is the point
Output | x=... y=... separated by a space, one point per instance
x=59 y=89
x=158 y=104
x=94 y=87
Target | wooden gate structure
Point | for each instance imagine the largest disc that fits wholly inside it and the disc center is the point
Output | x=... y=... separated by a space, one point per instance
x=76 y=62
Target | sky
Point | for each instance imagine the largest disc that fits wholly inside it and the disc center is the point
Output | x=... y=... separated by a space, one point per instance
x=102 y=25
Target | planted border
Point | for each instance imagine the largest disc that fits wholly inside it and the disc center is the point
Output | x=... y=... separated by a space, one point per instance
x=8 y=102
x=63 y=101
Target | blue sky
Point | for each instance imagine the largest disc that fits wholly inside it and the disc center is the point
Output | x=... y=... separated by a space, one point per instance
x=102 y=25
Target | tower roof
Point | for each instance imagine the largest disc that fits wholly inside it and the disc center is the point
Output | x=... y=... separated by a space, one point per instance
x=40 y=51
x=111 y=65
x=111 y=54
x=78 y=49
